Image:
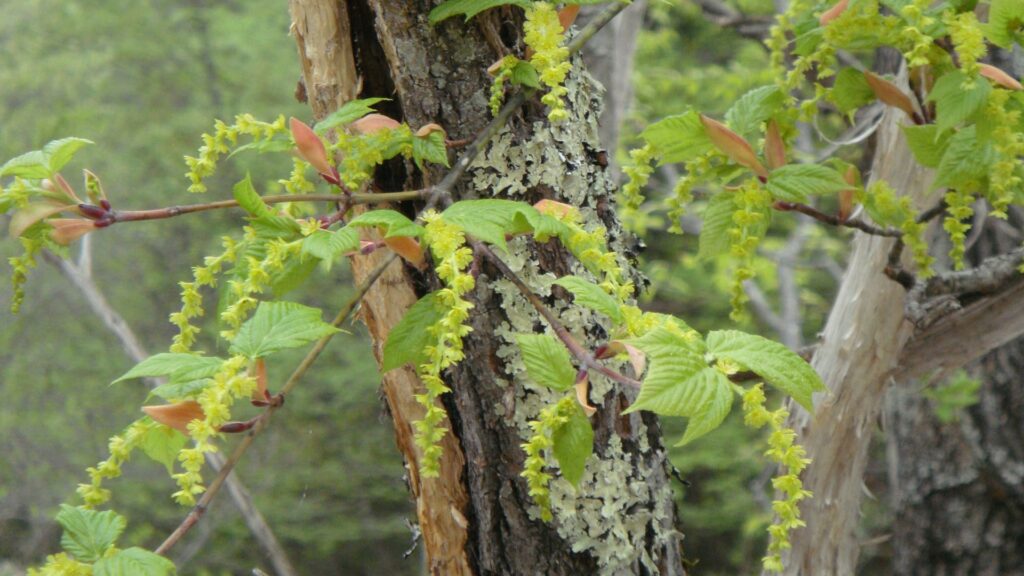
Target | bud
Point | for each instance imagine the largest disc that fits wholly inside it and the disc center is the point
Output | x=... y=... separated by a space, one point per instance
x=309 y=146
x=428 y=129
x=637 y=358
x=774 y=147
x=176 y=416
x=67 y=230
x=733 y=145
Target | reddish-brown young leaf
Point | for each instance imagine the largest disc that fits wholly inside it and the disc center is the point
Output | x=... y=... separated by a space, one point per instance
x=637 y=358
x=407 y=248
x=372 y=123
x=774 y=147
x=554 y=208
x=848 y=195
x=568 y=15
x=67 y=230
x=582 y=390
x=833 y=12
x=889 y=93
x=176 y=416
x=309 y=146
x=32 y=213
x=999 y=77
x=733 y=145
x=259 y=372
x=428 y=129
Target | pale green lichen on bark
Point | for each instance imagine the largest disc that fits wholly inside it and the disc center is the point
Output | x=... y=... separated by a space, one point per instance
x=610 y=513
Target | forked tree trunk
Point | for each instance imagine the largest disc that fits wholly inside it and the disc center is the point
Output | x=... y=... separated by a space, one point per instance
x=958 y=487
x=860 y=346
x=477 y=518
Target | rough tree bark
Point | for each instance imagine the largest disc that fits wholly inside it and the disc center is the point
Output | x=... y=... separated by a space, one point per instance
x=958 y=488
x=478 y=518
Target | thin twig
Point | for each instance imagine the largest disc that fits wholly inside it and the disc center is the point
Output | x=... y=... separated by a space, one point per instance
x=836 y=221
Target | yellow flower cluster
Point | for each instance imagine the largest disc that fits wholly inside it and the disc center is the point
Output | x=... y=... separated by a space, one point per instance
x=753 y=203
x=638 y=171
x=452 y=258
x=959 y=208
x=550 y=419
x=783 y=451
x=120 y=448
x=61 y=565
x=192 y=301
x=544 y=35
x=968 y=40
x=1004 y=179
x=219 y=143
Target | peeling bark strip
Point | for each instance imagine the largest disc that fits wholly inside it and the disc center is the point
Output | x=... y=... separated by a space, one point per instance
x=861 y=346
x=478 y=518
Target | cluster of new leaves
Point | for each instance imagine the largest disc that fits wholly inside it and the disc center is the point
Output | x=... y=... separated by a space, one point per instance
x=89 y=542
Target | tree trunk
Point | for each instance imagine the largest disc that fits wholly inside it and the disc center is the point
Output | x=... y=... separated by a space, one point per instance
x=860 y=346
x=478 y=517
x=958 y=487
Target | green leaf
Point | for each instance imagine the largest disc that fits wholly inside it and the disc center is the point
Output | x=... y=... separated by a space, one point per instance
x=679 y=382
x=430 y=148
x=393 y=223
x=778 y=365
x=350 y=112
x=953 y=102
x=88 y=533
x=470 y=8
x=753 y=108
x=178 y=390
x=591 y=296
x=547 y=361
x=328 y=246
x=281 y=144
x=162 y=443
x=795 y=182
x=180 y=367
x=277 y=326
x=291 y=276
x=249 y=200
x=927 y=144
x=408 y=339
x=134 y=561
x=966 y=160
x=60 y=152
x=1005 y=22
x=714 y=232
x=850 y=91
x=524 y=74
x=678 y=138
x=31 y=165
x=573 y=443
x=491 y=219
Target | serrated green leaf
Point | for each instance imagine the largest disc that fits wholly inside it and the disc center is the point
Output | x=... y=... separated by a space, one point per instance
x=280 y=144
x=966 y=160
x=491 y=219
x=679 y=138
x=524 y=74
x=88 y=533
x=291 y=276
x=715 y=404
x=590 y=295
x=349 y=112
x=162 y=444
x=408 y=339
x=393 y=223
x=179 y=367
x=328 y=246
x=927 y=144
x=30 y=165
x=1005 y=22
x=795 y=182
x=778 y=365
x=60 y=152
x=277 y=326
x=134 y=561
x=673 y=359
x=249 y=200
x=547 y=361
x=850 y=91
x=753 y=108
x=953 y=102
x=172 y=391
x=430 y=148
x=469 y=8
x=573 y=443
x=714 y=231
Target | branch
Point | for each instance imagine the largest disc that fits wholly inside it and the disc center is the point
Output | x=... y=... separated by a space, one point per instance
x=835 y=220
x=78 y=276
